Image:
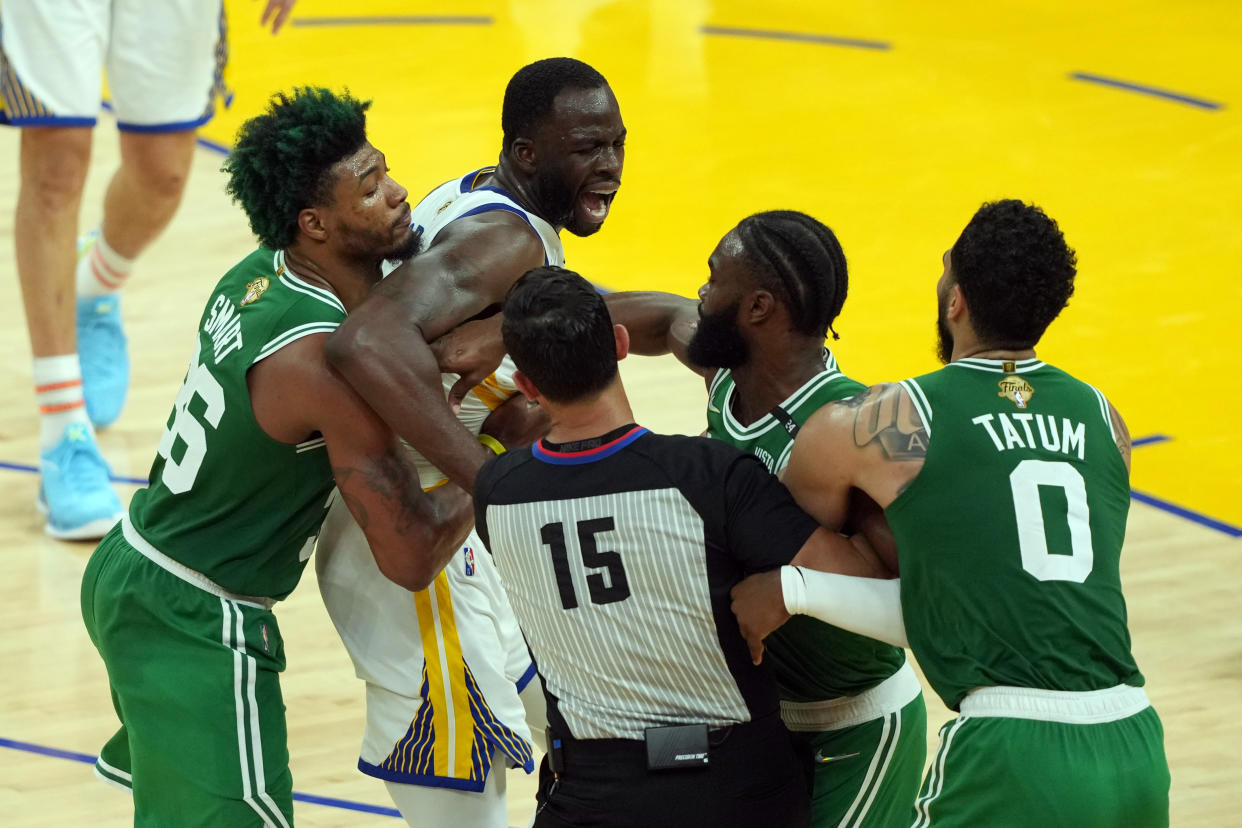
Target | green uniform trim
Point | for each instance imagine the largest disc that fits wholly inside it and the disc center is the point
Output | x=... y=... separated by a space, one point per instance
x=811 y=660
x=225 y=499
x=1010 y=536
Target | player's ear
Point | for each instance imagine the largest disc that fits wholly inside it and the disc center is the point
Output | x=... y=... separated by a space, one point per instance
x=522 y=151
x=524 y=385
x=623 y=341
x=955 y=302
x=762 y=304
x=311 y=224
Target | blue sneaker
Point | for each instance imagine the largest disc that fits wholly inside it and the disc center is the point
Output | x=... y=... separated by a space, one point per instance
x=104 y=357
x=74 y=491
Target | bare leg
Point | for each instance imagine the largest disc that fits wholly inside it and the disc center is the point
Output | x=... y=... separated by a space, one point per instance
x=54 y=161
x=146 y=190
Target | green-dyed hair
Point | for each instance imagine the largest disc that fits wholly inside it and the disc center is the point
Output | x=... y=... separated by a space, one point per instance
x=280 y=164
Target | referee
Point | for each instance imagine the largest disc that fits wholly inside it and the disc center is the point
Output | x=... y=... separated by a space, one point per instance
x=618 y=548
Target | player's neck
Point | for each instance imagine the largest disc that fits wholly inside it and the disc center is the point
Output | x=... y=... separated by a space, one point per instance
x=981 y=350
x=349 y=280
x=770 y=376
x=583 y=420
x=519 y=189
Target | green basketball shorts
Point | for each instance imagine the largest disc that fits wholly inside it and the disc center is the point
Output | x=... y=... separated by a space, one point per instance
x=194 y=680
x=1056 y=760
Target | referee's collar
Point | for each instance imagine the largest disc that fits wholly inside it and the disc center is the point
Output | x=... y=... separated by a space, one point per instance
x=608 y=445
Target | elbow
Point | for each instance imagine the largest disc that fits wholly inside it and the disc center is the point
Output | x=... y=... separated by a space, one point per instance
x=349 y=347
x=405 y=571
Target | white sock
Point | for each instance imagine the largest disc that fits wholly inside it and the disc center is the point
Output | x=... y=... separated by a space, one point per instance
x=102 y=271
x=58 y=389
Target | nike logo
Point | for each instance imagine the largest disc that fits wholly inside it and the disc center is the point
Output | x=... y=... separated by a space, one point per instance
x=820 y=758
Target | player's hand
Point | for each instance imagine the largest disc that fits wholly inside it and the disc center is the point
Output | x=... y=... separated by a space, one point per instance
x=276 y=12
x=473 y=350
x=516 y=423
x=759 y=604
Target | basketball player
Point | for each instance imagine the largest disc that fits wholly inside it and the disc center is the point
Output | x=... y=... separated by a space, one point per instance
x=617 y=548
x=444 y=668
x=178 y=597
x=1006 y=483
x=164 y=62
x=777 y=282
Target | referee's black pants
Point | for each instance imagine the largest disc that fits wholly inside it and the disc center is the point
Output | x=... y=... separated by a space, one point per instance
x=753 y=778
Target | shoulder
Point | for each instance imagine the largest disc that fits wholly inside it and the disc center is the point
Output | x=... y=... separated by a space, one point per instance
x=499 y=480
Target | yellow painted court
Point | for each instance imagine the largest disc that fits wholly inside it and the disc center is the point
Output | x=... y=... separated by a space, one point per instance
x=889 y=121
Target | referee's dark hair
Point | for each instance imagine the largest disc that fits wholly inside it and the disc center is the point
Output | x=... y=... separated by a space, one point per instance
x=558 y=331
x=799 y=260
x=532 y=90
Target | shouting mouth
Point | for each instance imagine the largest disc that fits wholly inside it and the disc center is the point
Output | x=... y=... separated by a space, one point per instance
x=595 y=201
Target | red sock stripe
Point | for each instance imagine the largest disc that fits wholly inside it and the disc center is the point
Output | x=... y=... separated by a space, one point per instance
x=110 y=283
x=56 y=386
x=56 y=409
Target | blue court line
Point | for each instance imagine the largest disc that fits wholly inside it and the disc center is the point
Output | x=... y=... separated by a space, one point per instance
x=402 y=20
x=801 y=37
x=1146 y=90
x=1142 y=497
x=1194 y=517
x=88 y=759
x=115 y=478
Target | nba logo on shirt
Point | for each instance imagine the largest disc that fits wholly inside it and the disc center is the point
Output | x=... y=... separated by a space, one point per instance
x=267 y=646
x=469 y=553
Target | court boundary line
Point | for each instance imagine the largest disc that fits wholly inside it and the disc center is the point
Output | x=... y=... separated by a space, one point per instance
x=1142 y=497
x=1151 y=91
x=797 y=37
x=397 y=20
x=312 y=799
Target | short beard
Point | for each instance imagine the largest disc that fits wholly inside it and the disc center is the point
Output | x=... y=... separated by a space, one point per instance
x=556 y=200
x=717 y=342
x=944 y=337
x=406 y=249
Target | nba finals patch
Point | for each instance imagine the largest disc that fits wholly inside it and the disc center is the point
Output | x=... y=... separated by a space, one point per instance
x=468 y=553
x=255 y=289
x=1016 y=390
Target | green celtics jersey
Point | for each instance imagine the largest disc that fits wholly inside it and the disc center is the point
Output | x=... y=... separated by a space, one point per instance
x=1010 y=536
x=225 y=499
x=812 y=661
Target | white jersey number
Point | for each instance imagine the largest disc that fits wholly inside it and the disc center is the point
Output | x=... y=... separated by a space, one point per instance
x=179 y=475
x=1025 y=481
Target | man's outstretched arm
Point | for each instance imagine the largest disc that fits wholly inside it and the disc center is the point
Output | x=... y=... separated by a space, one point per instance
x=382 y=347
x=658 y=323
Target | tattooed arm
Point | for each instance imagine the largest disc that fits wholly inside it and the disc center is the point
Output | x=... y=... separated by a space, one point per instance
x=874 y=441
x=1122 y=434
x=412 y=534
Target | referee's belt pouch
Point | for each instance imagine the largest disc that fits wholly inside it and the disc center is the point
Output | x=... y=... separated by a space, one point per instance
x=676 y=747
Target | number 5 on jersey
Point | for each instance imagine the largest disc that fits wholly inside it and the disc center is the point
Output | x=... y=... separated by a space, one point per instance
x=603 y=590
x=179 y=475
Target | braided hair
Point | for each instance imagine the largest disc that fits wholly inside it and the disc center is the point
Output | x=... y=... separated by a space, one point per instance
x=800 y=261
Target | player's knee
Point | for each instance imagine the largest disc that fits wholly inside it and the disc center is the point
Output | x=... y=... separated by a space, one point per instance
x=54 y=168
x=162 y=180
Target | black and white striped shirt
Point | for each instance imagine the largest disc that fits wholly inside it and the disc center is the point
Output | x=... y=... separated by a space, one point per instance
x=618 y=561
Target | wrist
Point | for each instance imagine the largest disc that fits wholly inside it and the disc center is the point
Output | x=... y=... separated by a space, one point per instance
x=793 y=589
x=491 y=443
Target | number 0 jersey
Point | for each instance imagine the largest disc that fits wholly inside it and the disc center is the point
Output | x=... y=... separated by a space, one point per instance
x=225 y=499
x=1010 y=536
x=812 y=661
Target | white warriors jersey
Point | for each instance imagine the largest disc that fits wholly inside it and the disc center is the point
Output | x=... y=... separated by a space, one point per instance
x=445 y=204
x=443 y=667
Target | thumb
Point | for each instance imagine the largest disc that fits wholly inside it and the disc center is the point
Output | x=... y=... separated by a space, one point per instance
x=459 y=391
x=755 y=643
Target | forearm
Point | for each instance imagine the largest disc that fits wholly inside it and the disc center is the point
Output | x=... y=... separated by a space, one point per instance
x=867 y=606
x=649 y=317
x=399 y=378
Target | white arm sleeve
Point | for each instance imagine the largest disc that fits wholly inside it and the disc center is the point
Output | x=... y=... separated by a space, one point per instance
x=867 y=606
